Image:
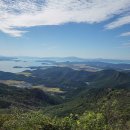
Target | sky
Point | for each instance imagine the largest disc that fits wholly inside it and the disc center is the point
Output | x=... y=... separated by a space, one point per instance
x=62 y=28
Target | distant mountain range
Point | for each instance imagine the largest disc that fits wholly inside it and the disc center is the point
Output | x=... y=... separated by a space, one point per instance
x=71 y=59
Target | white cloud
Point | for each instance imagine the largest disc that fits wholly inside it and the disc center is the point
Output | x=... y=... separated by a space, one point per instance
x=27 y=13
x=13 y=32
x=119 y=22
x=125 y=34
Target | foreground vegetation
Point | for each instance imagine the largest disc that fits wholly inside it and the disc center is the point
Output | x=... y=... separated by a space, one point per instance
x=38 y=121
x=110 y=111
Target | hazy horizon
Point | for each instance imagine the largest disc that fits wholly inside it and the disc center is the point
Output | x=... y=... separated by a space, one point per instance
x=76 y=57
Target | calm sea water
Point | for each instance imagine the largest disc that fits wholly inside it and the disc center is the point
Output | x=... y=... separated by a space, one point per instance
x=8 y=66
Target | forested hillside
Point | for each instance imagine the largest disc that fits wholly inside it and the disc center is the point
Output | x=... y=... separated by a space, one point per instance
x=88 y=100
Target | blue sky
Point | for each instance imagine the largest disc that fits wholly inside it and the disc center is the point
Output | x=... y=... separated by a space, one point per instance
x=96 y=29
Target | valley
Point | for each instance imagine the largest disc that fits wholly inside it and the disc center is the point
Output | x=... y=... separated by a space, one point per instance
x=67 y=90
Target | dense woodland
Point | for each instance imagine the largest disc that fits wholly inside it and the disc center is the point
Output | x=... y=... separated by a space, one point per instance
x=90 y=100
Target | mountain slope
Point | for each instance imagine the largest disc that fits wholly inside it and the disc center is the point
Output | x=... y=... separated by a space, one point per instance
x=21 y=97
x=68 y=78
x=96 y=99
